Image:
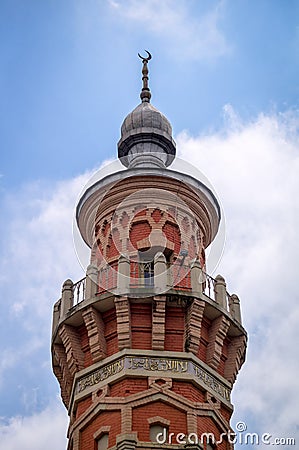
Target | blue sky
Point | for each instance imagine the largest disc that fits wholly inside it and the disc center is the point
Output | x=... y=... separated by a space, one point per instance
x=225 y=73
x=69 y=67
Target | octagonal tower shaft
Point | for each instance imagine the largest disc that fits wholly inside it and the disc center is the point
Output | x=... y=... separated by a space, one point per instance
x=147 y=342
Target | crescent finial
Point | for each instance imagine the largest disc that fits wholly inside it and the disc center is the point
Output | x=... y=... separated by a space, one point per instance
x=145 y=92
x=144 y=59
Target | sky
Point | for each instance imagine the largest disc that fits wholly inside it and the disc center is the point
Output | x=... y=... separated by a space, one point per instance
x=225 y=73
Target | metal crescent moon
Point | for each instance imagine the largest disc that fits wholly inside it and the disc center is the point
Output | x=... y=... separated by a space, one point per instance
x=143 y=58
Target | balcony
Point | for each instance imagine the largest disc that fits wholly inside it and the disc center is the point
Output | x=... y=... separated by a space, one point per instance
x=143 y=280
x=151 y=278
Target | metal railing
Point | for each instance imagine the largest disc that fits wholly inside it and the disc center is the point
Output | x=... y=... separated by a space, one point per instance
x=142 y=276
x=79 y=289
x=208 y=284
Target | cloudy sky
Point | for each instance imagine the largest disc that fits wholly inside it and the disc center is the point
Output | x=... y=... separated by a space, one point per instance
x=225 y=73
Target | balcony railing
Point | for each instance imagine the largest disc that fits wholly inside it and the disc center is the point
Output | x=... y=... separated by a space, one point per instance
x=148 y=278
x=79 y=289
x=141 y=275
x=208 y=284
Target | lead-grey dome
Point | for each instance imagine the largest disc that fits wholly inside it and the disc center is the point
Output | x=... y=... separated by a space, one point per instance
x=146 y=115
x=146 y=138
x=146 y=134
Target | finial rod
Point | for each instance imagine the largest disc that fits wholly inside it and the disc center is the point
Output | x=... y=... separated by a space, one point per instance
x=145 y=94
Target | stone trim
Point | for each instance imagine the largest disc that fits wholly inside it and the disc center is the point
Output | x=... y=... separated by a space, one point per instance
x=152 y=383
x=123 y=319
x=193 y=325
x=62 y=373
x=158 y=323
x=96 y=333
x=126 y=441
x=74 y=354
x=97 y=396
x=75 y=438
x=235 y=357
x=203 y=375
x=126 y=419
x=217 y=334
x=126 y=404
x=178 y=368
x=100 y=431
x=158 y=420
x=191 y=421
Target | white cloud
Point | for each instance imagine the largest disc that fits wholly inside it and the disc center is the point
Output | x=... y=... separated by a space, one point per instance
x=39 y=254
x=187 y=37
x=254 y=167
x=45 y=430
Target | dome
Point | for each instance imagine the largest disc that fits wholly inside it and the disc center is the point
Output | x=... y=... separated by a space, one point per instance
x=146 y=115
x=146 y=134
x=146 y=138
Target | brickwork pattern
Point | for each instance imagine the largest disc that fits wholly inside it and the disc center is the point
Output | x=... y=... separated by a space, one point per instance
x=150 y=324
x=123 y=319
x=163 y=403
x=95 y=329
x=74 y=354
x=217 y=335
x=158 y=324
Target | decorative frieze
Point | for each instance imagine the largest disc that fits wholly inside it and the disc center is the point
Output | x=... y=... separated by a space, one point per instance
x=147 y=366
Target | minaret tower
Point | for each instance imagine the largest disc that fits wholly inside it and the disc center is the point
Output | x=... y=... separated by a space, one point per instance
x=146 y=348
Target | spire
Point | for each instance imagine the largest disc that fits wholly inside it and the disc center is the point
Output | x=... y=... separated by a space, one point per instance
x=145 y=94
x=146 y=134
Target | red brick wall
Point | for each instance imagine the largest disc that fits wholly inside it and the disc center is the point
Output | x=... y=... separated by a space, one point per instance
x=207 y=425
x=156 y=215
x=128 y=387
x=226 y=413
x=204 y=340
x=188 y=390
x=113 y=246
x=172 y=233
x=109 y=318
x=141 y=320
x=177 y=418
x=224 y=355
x=85 y=345
x=105 y=418
x=83 y=405
x=174 y=329
x=138 y=232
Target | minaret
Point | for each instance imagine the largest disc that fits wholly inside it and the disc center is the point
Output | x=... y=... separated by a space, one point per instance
x=147 y=347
